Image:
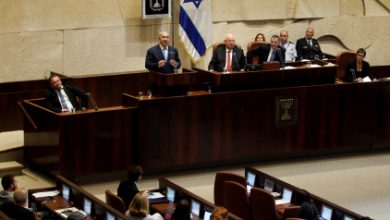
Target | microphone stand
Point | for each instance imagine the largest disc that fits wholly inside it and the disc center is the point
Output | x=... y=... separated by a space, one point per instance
x=281 y=57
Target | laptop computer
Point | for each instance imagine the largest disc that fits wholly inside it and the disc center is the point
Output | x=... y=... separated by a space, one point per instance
x=110 y=216
x=65 y=192
x=268 y=185
x=170 y=194
x=250 y=180
x=326 y=213
x=87 y=206
x=207 y=215
x=286 y=197
x=195 y=208
x=346 y=217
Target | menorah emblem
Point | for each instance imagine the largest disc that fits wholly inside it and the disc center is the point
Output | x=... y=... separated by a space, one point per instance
x=286 y=104
x=155 y=5
x=286 y=111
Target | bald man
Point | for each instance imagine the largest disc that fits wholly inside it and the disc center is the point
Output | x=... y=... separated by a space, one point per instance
x=162 y=58
x=308 y=47
x=291 y=52
x=228 y=57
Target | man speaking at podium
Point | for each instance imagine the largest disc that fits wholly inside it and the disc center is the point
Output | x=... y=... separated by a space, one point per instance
x=63 y=98
x=162 y=58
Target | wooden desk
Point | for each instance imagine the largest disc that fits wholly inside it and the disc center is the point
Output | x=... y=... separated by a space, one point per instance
x=299 y=76
x=227 y=128
x=172 y=84
x=83 y=143
x=181 y=193
x=99 y=209
x=299 y=195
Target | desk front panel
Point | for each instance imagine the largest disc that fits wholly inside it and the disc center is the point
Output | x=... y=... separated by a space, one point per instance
x=249 y=126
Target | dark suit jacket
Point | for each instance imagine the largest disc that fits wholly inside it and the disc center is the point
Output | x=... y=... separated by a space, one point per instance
x=127 y=190
x=351 y=68
x=53 y=102
x=218 y=61
x=155 y=54
x=263 y=51
x=17 y=212
x=305 y=51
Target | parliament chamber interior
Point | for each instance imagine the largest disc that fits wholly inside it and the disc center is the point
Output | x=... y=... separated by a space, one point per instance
x=261 y=140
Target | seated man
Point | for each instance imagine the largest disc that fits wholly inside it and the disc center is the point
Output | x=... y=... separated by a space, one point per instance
x=62 y=98
x=227 y=57
x=9 y=185
x=308 y=47
x=18 y=210
x=162 y=58
x=269 y=52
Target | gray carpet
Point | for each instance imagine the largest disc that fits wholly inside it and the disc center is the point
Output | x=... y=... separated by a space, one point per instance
x=359 y=183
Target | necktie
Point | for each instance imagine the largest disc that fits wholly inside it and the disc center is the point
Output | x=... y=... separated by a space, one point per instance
x=228 y=64
x=165 y=52
x=62 y=99
x=272 y=56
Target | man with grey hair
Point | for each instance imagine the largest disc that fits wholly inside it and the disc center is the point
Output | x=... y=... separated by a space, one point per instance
x=162 y=58
x=227 y=57
x=18 y=210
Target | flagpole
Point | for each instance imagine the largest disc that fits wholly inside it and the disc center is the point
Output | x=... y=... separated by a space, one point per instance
x=173 y=22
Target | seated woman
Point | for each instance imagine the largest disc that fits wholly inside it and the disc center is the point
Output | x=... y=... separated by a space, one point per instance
x=358 y=69
x=139 y=208
x=259 y=38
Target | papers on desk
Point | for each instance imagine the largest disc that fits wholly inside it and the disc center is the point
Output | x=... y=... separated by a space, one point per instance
x=367 y=79
x=155 y=195
x=314 y=65
x=281 y=201
x=46 y=194
x=67 y=211
x=288 y=67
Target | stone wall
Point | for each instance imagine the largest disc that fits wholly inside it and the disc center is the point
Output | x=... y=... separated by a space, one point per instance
x=79 y=37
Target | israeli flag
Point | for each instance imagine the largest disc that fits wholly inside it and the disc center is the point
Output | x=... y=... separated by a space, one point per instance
x=195 y=29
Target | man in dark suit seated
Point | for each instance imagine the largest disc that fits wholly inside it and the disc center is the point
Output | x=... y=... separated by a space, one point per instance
x=162 y=57
x=227 y=57
x=63 y=98
x=308 y=48
x=17 y=210
x=269 y=52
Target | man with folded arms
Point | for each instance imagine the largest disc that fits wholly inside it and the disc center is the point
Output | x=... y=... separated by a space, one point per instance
x=269 y=52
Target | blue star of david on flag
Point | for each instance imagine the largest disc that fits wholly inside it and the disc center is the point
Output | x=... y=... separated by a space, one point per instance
x=196 y=2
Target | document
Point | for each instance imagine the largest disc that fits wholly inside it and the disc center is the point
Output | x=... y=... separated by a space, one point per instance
x=46 y=194
x=155 y=195
x=67 y=211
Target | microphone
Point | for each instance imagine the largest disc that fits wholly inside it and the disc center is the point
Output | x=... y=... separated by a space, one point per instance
x=281 y=57
x=96 y=107
x=353 y=74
